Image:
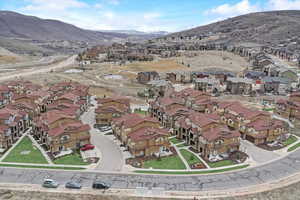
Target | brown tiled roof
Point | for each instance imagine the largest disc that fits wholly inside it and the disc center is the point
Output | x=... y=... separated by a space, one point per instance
x=110 y=109
x=4 y=88
x=176 y=110
x=201 y=119
x=3 y=128
x=70 y=128
x=147 y=133
x=131 y=120
x=261 y=125
x=245 y=112
x=122 y=100
x=165 y=101
x=54 y=115
x=220 y=132
x=69 y=96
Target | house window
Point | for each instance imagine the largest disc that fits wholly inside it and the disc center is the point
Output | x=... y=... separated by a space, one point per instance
x=64 y=138
x=219 y=142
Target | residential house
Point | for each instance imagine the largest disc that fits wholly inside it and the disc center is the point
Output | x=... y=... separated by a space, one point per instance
x=266 y=131
x=109 y=108
x=208 y=85
x=145 y=77
x=189 y=128
x=6 y=140
x=240 y=86
x=143 y=136
x=218 y=141
x=148 y=141
x=236 y=116
x=70 y=136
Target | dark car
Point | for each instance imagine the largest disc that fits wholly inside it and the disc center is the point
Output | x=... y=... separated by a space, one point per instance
x=73 y=185
x=87 y=147
x=101 y=185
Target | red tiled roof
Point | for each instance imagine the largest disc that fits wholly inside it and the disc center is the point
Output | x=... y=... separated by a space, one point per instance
x=245 y=112
x=201 y=119
x=221 y=132
x=261 y=125
x=147 y=133
x=131 y=120
x=176 y=110
x=110 y=109
x=69 y=96
x=119 y=99
x=3 y=128
x=4 y=88
x=70 y=128
x=54 y=115
x=165 y=101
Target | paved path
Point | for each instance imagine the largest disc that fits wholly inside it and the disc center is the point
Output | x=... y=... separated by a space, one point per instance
x=112 y=157
x=257 y=154
x=41 y=149
x=187 y=166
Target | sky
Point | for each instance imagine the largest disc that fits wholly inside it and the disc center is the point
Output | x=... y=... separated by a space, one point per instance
x=143 y=15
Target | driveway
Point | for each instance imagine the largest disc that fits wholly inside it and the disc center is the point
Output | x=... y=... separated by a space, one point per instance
x=257 y=154
x=111 y=154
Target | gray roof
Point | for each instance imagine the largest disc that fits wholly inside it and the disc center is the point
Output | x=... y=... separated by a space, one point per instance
x=240 y=80
x=281 y=80
x=207 y=80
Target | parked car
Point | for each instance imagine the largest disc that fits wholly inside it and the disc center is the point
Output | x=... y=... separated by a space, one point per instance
x=73 y=185
x=101 y=185
x=49 y=183
x=87 y=147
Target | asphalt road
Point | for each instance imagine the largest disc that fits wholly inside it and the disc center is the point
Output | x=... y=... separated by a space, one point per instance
x=236 y=179
x=111 y=155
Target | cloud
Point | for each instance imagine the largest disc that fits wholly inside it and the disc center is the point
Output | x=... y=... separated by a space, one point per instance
x=114 y=2
x=98 y=5
x=53 y=5
x=150 y=16
x=283 y=5
x=230 y=10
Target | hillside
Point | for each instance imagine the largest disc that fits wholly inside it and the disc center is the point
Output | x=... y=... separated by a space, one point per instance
x=24 y=34
x=21 y=26
x=275 y=27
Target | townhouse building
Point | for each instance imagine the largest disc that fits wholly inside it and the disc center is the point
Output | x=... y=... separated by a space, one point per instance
x=143 y=136
x=109 y=108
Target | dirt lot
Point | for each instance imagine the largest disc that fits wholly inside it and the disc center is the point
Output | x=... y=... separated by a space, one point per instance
x=107 y=78
x=208 y=60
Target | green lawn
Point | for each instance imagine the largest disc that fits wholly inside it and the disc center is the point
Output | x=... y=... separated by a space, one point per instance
x=25 y=152
x=221 y=163
x=190 y=157
x=41 y=167
x=171 y=162
x=72 y=159
x=292 y=148
x=292 y=139
x=193 y=172
x=175 y=140
x=182 y=145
